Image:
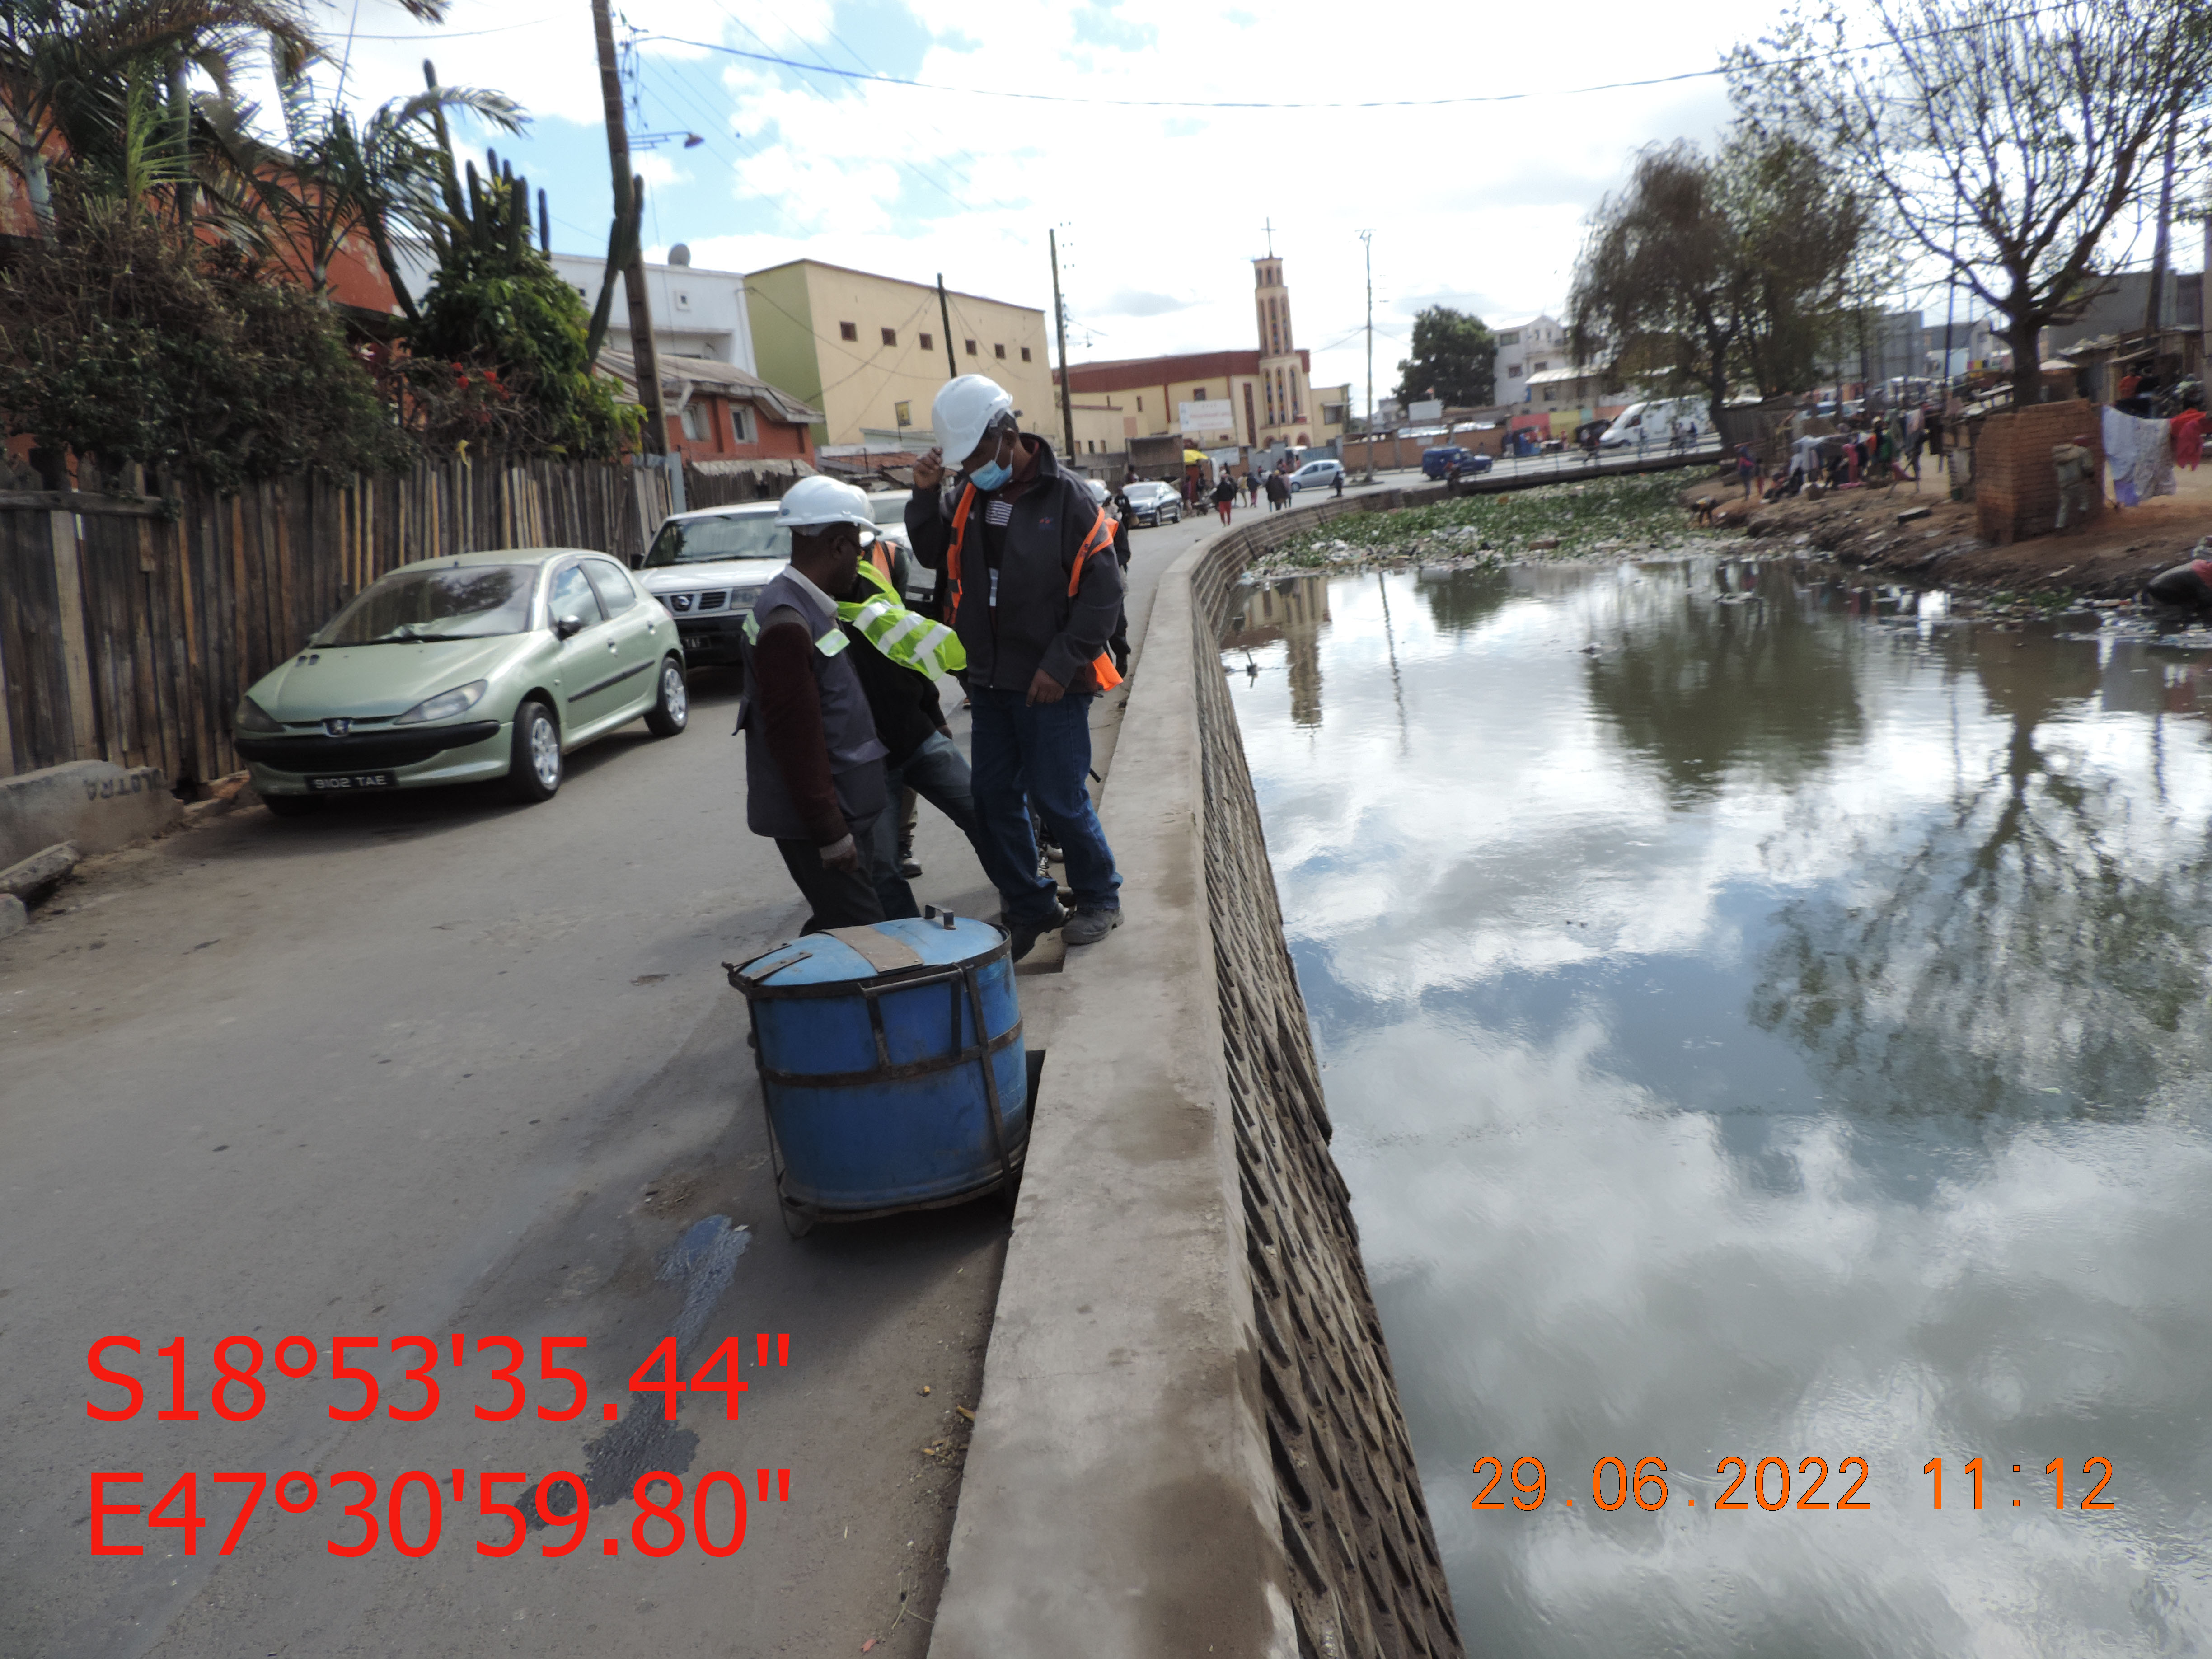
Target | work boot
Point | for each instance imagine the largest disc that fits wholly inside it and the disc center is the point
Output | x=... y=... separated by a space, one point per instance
x=1025 y=934
x=1089 y=926
x=907 y=867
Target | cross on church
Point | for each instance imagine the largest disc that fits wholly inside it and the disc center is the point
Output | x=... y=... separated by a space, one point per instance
x=1269 y=227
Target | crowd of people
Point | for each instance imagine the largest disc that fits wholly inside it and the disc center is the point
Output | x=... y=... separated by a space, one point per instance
x=842 y=712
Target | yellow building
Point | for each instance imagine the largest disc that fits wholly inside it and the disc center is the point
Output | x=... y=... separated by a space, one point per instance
x=868 y=351
x=1270 y=398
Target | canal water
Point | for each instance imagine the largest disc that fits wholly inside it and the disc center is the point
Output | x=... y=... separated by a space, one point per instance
x=1765 y=1021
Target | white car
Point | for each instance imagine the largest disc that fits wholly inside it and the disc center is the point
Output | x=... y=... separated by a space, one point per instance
x=1317 y=474
x=708 y=567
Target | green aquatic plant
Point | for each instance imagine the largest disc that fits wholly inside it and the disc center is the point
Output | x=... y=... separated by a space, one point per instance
x=1596 y=515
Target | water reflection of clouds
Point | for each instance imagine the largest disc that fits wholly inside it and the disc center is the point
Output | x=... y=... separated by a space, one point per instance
x=1879 y=1236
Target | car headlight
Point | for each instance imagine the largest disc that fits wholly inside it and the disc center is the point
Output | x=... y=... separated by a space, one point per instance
x=250 y=716
x=446 y=704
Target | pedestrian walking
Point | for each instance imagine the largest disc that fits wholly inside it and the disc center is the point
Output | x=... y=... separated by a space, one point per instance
x=1036 y=591
x=1336 y=484
x=1278 y=491
x=814 y=766
x=1251 y=487
x=1224 y=497
x=1747 y=469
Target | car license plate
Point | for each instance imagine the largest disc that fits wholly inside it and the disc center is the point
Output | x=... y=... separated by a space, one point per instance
x=346 y=780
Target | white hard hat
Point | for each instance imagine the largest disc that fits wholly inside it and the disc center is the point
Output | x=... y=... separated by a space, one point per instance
x=812 y=502
x=963 y=411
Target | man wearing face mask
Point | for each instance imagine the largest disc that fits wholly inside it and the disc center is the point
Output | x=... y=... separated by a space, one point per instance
x=814 y=767
x=1033 y=590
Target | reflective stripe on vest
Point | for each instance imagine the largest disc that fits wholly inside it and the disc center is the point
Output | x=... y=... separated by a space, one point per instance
x=909 y=640
x=829 y=645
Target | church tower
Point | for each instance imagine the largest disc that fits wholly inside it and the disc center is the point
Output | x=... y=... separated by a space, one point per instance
x=1281 y=415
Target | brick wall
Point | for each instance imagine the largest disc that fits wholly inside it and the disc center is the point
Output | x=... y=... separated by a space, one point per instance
x=2015 y=483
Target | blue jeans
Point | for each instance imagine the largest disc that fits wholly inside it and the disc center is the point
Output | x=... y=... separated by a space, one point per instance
x=937 y=772
x=1038 y=753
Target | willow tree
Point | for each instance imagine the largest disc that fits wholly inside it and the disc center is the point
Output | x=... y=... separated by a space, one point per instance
x=1722 y=270
x=2006 y=140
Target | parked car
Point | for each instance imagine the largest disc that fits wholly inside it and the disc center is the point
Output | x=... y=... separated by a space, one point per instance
x=454 y=670
x=1153 y=503
x=708 y=567
x=1317 y=474
x=1435 y=463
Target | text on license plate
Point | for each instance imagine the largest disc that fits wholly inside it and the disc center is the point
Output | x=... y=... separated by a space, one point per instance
x=345 y=781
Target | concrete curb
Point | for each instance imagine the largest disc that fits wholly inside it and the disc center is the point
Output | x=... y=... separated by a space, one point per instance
x=1185 y=1347
x=96 y=804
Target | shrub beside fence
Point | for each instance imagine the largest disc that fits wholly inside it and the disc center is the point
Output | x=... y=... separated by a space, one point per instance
x=129 y=625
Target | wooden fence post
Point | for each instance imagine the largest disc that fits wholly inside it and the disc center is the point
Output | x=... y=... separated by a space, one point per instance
x=76 y=659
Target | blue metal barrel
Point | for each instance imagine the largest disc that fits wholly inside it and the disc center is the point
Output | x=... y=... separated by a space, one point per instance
x=891 y=1056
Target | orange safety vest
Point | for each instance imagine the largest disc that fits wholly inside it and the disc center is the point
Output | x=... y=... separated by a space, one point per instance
x=1099 y=537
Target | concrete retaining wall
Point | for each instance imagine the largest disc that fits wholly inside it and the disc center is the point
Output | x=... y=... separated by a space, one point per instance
x=1189 y=1440
x=97 y=804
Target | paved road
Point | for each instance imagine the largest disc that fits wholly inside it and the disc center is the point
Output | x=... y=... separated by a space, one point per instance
x=436 y=1065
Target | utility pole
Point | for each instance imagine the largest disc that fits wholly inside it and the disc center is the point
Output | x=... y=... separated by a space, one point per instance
x=2164 y=249
x=944 y=315
x=1060 y=322
x=630 y=195
x=1367 y=240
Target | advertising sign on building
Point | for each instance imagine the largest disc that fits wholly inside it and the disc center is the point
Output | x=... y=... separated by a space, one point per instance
x=1214 y=415
x=1426 y=408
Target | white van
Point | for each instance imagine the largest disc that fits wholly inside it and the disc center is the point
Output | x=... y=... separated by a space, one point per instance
x=1654 y=422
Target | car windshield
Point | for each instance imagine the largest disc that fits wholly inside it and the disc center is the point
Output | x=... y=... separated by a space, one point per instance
x=726 y=536
x=450 y=601
x=888 y=509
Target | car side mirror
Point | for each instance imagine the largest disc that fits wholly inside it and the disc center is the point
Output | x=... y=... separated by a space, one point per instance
x=567 y=628
x=637 y=561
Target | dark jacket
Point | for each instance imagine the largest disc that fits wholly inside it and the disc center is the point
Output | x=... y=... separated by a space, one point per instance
x=1036 y=623
x=903 y=701
x=813 y=763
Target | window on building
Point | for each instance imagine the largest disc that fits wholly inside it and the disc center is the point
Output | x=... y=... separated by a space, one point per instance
x=1512 y=336
x=1025 y=354
x=683 y=300
x=1000 y=352
x=848 y=331
x=697 y=426
x=902 y=413
x=1198 y=394
x=741 y=424
x=1512 y=371
x=971 y=348
x=927 y=344
x=1539 y=368
x=1140 y=405
x=891 y=336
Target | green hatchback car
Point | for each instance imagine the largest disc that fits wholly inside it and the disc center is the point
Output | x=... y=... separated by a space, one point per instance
x=456 y=670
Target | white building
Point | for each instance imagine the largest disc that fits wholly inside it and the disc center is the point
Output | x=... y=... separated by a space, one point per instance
x=695 y=313
x=1534 y=345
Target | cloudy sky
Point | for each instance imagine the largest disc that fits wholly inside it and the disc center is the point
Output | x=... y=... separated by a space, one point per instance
x=1159 y=209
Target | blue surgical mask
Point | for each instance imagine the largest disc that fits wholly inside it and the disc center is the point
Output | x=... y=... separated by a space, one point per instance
x=991 y=476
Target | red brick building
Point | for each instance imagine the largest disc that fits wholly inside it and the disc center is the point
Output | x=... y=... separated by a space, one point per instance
x=718 y=412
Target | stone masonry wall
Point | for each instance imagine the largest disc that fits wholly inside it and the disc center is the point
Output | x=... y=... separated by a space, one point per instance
x=1368 y=1580
x=2015 y=483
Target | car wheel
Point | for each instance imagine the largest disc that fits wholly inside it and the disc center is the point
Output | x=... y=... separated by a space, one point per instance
x=672 y=713
x=535 y=773
x=292 y=806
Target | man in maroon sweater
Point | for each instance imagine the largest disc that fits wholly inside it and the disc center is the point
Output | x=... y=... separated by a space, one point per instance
x=814 y=766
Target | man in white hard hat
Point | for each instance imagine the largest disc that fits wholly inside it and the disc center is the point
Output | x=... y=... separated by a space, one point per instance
x=814 y=767
x=1033 y=589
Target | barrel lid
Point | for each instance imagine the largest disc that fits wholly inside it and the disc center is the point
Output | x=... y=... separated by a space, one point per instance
x=874 y=950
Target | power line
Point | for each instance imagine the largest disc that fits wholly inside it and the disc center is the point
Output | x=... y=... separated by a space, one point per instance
x=877 y=79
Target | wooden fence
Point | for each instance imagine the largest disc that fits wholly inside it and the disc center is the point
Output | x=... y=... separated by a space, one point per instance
x=130 y=625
